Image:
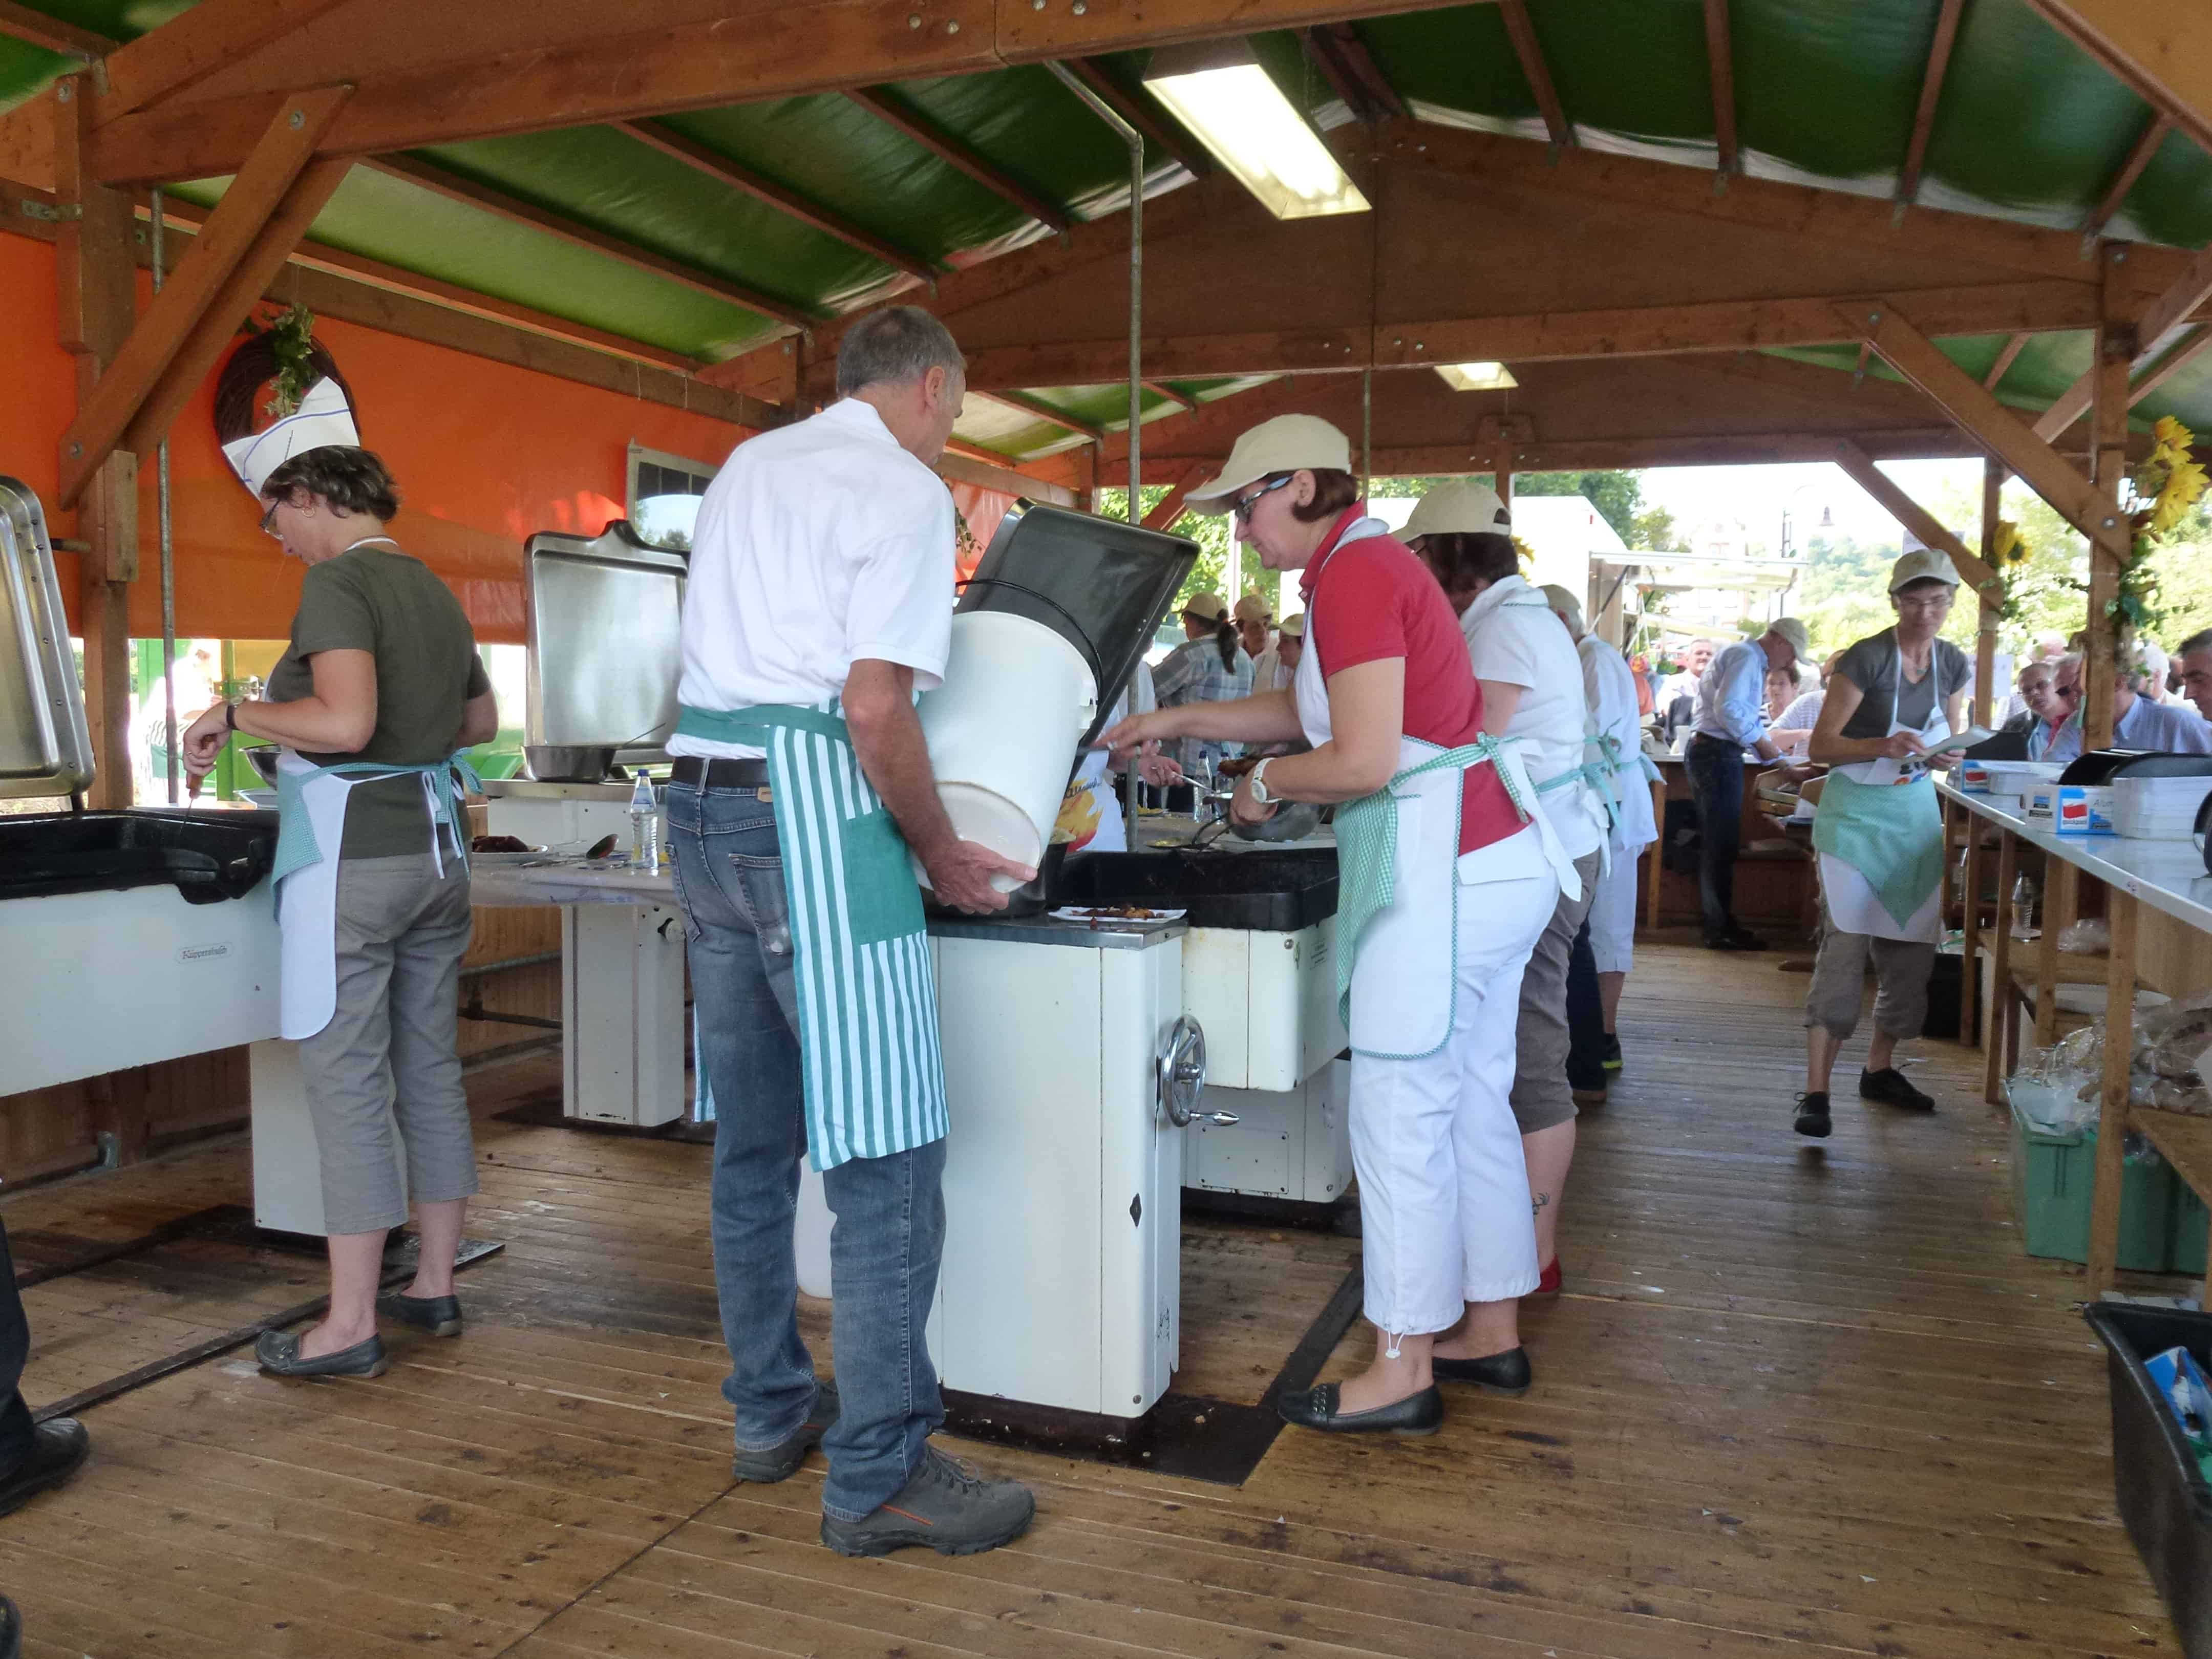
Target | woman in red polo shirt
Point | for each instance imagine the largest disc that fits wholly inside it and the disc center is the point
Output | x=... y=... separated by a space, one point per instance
x=1435 y=816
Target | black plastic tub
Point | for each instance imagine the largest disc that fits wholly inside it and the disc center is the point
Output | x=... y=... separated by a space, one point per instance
x=2165 y=1503
x=207 y=858
x=1271 y=892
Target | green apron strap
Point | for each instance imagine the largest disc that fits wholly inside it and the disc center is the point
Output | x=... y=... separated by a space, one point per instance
x=751 y=726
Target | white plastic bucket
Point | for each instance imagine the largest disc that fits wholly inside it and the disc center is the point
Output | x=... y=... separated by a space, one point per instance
x=1002 y=731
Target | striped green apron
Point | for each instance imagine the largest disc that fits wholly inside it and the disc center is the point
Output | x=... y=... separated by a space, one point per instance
x=867 y=1000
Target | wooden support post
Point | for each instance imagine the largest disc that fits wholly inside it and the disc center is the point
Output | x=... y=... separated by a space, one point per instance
x=97 y=273
x=1169 y=508
x=1969 y=953
x=1087 y=478
x=2122 y=910
x=2061 y=894
x=1503 y=474
x=1992 y=606
x=1999 y=1017
x=2108 y=456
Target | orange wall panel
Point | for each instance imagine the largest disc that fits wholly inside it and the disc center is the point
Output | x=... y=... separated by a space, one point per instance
x=485 y=455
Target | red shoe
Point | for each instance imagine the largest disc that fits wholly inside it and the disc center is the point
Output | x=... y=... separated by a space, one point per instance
x=1548 y=1285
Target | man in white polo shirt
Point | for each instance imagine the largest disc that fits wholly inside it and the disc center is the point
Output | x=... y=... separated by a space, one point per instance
x=819 y=603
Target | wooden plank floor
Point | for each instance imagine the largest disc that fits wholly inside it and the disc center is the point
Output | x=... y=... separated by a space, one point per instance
x=1796 y=1401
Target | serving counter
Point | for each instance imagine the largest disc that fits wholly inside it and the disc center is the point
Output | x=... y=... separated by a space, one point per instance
x=2158 y=900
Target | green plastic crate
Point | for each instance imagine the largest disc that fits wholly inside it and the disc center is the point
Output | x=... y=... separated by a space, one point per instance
x=2185 y=1241
x=2052 y=1175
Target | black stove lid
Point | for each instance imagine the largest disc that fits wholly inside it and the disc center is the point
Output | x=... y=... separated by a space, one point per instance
x=208 y=857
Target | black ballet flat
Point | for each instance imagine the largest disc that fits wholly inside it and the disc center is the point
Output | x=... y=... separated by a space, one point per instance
x=440 y=1316
x=279 y=1354
x=1507 y=1373
x=1417 y=1415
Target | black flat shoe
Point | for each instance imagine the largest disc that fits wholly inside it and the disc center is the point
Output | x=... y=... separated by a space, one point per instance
x=11 y=1631
x=57 y=1447
x=1890 y=1087
x=1507 y=1373
x=1812 y=1120
x=1417 y=1415
x=1612 y=1059
x=279 y=1354
x=440 y=1316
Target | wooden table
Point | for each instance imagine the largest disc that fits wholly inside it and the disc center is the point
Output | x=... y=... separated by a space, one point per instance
x=1773 y=889
x=2158 y=900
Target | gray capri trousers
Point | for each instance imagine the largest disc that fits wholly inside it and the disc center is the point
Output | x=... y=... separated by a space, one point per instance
x=1901 y=971
x=387 y=1062
x=1541 y=1099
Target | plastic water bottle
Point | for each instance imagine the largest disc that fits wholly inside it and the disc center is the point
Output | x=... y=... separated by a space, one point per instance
x=644 y=824
x=2023 y=907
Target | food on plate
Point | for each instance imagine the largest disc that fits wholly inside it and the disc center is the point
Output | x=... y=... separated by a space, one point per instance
x=499 y=844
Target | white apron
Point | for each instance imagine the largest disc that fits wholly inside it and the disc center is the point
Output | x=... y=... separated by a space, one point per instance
x=1402 y=962
x=1854 y=903
x=307 y=879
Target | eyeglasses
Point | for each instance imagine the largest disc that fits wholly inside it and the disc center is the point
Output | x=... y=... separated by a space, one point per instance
x=267 y=517
x=1931 y=602
x=2068 y=692
x=1245 y=504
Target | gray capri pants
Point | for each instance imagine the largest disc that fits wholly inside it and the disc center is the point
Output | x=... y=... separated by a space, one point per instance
x=1901 y=971
x=1541 y=1099
x=386 y=1063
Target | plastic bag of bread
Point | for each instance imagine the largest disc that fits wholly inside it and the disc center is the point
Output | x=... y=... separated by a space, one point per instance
x=2173 y=1056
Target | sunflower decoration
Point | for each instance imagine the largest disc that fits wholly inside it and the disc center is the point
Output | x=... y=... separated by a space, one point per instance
x=2167 y=485
x=1525 y=553
x=2007 y=544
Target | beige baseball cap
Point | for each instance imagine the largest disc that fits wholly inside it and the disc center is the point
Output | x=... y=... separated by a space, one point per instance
x=1464 y=507
x=1294 y=628
x=1283 y=445
x=1210 y=606
x=1567 y=604
x=1792 y=629
x=1252 y=607
x=1923 y=564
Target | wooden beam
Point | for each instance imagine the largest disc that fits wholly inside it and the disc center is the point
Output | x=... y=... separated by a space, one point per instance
x=1908 y=349
x=215 y=331
x=954 y=153
x=1720 y=62
x=1931 y=531
x=1931 y=92
x=1992 y=609
x=514 y=210
x=232 y=227
x=1159 y=131
x=2131 y=169
x=993 y=475
x=96 y=280
x=52 y=33
x=192 y=46
x=1803 y=213
x=737 y=176
x=1162 y=389
x=1169 y=507
x=1530 y=51
x=2174 y=361
x=2108 y=467
x=1992 y=381
x=1351 y=67
x=1045 y=411
x=2175 y=306
x=179 y=215
x=1751 y=449
x=2163 y=52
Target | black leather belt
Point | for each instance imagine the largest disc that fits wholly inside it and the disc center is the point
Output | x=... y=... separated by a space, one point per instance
x=695 y=772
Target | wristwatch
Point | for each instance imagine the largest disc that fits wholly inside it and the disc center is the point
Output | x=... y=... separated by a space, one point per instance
x=230 y=715
x=1260 y=795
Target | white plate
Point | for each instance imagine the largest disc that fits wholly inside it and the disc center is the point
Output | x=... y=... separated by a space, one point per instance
x=1086 y=913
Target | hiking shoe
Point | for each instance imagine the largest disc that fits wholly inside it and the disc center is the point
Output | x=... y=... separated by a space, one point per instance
x=1736 y=938
x=947 y=1505
x=1889 y=1086
x=1812 y=1117
x=782 y=1460
x=1610 y=1058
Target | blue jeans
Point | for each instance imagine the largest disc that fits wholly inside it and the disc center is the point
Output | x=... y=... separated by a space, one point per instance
x=1716 y=771
x=889 y=1230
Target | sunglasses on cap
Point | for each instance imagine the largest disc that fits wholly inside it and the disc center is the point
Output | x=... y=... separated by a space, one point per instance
x=1241 y=507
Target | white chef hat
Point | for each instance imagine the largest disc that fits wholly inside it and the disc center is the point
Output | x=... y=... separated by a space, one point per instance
x=323 y=419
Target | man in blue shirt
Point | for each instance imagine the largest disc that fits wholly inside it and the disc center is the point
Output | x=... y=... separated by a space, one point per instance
x=2137 y=722
x=1731 y=718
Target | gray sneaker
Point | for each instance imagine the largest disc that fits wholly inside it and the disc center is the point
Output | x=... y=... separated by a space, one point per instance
x=780 y=1461
x=948 y=1505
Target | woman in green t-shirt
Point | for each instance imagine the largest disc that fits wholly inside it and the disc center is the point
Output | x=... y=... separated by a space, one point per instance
x=381 y=687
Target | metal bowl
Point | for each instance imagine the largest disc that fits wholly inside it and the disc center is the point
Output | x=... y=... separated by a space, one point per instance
x=1292 y=821
x=570 y=762
x=263 y=759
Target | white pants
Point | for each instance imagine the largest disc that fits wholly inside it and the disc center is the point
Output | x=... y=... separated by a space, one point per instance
x=1612 y=914
x=1443 y=1190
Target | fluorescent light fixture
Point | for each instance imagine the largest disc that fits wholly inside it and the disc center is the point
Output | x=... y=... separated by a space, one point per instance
x=1477 y=376
x=1221 y=93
